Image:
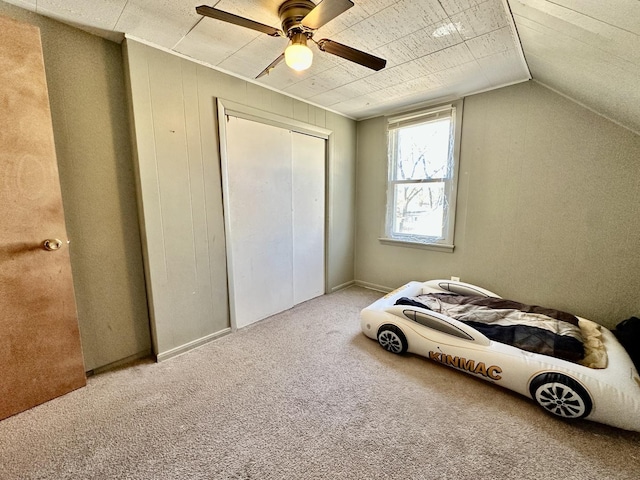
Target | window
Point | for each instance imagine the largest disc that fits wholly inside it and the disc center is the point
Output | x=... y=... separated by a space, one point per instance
x=423 y=164
x=437 y=324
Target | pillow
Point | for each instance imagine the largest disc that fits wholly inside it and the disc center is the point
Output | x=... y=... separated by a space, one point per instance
x=595 y=355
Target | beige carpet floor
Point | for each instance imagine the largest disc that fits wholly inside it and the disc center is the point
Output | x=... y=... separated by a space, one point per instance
x=304 y=395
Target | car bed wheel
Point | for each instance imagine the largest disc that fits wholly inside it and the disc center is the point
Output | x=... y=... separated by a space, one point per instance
x=561 y=395
x=391 y=338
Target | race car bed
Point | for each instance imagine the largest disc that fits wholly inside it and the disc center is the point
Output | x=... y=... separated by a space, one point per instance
x=570 y=366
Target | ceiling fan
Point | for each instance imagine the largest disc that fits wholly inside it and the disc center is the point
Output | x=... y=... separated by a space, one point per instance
x=300 y=19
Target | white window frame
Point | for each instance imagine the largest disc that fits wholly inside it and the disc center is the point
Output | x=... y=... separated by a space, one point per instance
x=394 y=123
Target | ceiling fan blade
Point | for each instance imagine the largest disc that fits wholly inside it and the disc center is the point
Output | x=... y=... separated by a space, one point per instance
x=271 y=66
x=324 y=12
x=236 y=20
x=351 y=54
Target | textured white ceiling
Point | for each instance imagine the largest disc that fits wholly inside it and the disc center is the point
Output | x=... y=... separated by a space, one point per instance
x=435 y=49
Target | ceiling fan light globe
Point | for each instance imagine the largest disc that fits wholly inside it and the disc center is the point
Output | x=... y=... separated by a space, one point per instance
x=298 y=57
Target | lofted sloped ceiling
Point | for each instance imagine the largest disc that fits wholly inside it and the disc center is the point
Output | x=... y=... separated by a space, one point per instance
x=588 y=50
x=435 y=49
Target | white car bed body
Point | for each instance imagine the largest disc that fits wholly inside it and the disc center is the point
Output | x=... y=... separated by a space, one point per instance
x=614 y=391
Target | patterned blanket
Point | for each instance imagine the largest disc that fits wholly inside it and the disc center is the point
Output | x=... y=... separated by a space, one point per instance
x=528 y=327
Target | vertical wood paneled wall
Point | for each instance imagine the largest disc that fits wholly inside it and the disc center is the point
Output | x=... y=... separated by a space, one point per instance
x=173 y=106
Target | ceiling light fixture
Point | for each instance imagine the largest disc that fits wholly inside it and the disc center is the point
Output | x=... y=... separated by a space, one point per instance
x=297 y=55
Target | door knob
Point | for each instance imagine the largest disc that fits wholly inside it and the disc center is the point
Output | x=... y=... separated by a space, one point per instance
x=52 y=244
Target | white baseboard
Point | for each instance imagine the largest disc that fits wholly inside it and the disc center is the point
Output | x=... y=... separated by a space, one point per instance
x=161 y=357
x=343 y=286
x=119 y=363
x=373 y=286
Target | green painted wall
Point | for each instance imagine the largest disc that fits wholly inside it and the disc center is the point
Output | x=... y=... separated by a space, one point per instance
x=91 y=129
x=548 y=202
x=175 y=119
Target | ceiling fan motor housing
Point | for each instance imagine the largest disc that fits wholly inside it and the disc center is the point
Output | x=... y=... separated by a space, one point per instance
x=291 y=14
x=300 y=19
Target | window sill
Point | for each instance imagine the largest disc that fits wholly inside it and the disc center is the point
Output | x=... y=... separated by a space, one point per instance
x=424 y=246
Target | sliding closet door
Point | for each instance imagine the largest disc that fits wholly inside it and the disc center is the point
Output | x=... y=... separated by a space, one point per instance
x=260 y=219
x=274 y=203
x=308 y=216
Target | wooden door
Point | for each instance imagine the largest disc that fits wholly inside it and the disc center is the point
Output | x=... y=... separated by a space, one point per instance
x=40 y=353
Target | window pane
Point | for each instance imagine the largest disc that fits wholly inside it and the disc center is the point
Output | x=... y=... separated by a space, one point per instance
x=422 y=175
x=423 y=150
x=420 y=209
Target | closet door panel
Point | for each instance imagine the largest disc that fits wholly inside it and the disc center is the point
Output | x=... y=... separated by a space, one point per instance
x=308 y=200
x=260 y=219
